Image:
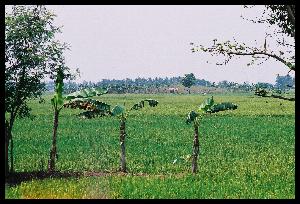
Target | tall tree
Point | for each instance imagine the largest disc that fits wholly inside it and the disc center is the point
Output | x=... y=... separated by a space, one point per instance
x=284 y=82
x=30 y=55
x=283 y=17
x=188 y=81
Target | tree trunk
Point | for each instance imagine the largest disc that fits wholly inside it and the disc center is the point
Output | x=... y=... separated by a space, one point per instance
x=6 y=150
x=122 y=143
x=8 y=138
x=195 y=149
x=11 y=154
x=53 y=153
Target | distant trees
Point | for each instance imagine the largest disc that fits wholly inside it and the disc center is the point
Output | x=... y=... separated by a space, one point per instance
x=138 y=85
x=264 y=85
x=31 y=53
x=284 y=82
x=155 y=85
x=188 y=81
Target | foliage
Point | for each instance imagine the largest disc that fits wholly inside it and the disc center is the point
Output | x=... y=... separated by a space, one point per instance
x=118 y=110
x=260 y=92
x=94 y=107
x=155 y=85
x=252 y=147
x=82 y=100
x=86 y=93
x=192 y=117
x=281 y=15
x=141 y=104
x=223 y=106
x=284 y=82
x=209 y=106
x=57 y=101
x=31 y=53
x=188 y=80
x=284 y=17
x=273 y=94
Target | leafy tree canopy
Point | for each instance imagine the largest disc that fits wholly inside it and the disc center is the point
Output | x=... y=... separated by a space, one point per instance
x=188 y=80
x=31 y=53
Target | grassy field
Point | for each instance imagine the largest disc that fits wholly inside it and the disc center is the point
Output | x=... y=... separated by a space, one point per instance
x=245 y=153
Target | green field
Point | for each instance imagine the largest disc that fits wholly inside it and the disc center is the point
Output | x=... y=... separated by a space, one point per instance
x=245 y=153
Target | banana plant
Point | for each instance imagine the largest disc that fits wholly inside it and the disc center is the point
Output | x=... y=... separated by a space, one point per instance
x=208 y=106
x=121 y=113
x=96 y=108
x=58 y=102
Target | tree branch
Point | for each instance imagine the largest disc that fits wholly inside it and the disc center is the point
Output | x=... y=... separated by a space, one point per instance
x=292 y=17
x=291 y=14
x=292 y=67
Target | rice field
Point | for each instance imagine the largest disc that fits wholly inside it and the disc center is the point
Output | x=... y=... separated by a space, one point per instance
x=245 y=153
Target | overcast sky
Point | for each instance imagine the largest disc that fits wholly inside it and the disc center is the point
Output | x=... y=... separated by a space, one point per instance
x=128 y=41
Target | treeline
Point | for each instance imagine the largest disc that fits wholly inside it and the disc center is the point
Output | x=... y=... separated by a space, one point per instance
x=158 y=84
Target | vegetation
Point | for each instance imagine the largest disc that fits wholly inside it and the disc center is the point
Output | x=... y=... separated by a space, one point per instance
x=208 y=106
x=283 y=17
x=246 y=153
x=98 y=108
x=31 y=53
x=57 y=103
x=188 y=81
x=284 y=82
x=161 y=85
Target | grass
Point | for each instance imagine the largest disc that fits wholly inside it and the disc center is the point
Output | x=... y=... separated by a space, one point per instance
x=245 y=153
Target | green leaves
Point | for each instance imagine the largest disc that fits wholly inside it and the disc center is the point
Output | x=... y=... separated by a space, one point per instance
x=260 y=92
x=152 y=102
x=29 y=43
x=223 y=106
x=141 y=104
x=94 y=107
x=191 y=117
x=118 y=110
x=80 y=99
x=188 y=80
x=207 y=105
x=57 y=99
x=86 y=93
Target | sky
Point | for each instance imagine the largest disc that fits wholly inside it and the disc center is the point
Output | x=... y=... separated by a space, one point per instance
x=130 y=41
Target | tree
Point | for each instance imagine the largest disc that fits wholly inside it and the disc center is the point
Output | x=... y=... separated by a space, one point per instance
x=208 y=106
x=281 y=15
x=284 y=82
x=188 y=81
x=30 y=55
